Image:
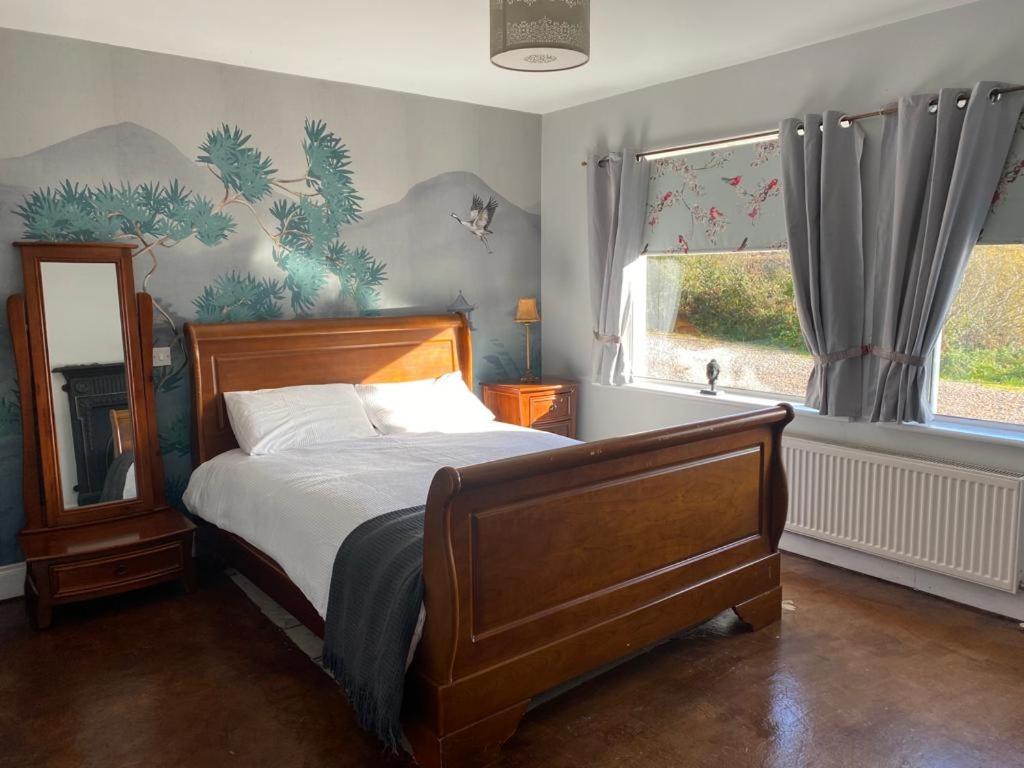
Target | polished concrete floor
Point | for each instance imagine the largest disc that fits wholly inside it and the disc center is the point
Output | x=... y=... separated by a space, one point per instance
x=859 y=673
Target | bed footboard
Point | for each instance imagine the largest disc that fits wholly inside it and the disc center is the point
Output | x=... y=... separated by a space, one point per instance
x=543 y=567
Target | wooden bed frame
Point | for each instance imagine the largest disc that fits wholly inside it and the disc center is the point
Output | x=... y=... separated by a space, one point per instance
x=540 y=568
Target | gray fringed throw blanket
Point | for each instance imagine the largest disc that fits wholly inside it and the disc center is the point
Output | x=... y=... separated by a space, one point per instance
x=374 y=603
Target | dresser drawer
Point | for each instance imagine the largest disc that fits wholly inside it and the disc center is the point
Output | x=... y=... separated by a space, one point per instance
x=554 y=407
x=563 y=428
x=116 y=573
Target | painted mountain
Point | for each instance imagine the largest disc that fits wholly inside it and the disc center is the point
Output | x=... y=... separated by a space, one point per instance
x=420 y=257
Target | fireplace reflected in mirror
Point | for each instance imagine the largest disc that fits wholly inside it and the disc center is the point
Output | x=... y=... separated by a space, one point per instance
x=91 y=405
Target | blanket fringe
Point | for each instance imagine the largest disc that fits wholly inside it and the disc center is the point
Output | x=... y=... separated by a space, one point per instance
x=364 y=704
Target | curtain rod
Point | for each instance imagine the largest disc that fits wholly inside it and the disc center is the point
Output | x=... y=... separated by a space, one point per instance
x=995 y=94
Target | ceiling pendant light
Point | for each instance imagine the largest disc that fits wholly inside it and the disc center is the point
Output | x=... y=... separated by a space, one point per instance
x=540 y=35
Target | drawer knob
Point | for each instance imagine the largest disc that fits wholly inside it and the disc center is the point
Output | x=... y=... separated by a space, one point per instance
x=120 y=569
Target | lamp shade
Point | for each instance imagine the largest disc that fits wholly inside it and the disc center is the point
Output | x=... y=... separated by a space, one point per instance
x=540 y=35
x=526 y=311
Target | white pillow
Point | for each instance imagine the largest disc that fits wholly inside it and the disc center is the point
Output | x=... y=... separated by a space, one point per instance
x=428 y=405
x=274 y=420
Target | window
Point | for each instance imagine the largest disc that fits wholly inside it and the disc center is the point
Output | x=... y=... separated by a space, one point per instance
x=981 y=361
x=718 y=281
x=736 y=308
x=719 y=286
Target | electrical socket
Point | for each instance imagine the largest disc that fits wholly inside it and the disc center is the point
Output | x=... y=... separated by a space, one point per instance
x=161 y=356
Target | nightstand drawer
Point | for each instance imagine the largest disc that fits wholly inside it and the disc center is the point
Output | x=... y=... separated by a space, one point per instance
x=563 y=428
x=553 y=407
x=116 y=573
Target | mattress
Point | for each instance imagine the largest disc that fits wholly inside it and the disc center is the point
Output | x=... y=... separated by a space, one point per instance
x=299 y=505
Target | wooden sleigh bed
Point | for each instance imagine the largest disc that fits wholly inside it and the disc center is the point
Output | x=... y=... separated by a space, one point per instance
x=540 y=568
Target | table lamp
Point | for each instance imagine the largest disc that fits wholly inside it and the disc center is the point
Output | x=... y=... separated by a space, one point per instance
x=527 y=314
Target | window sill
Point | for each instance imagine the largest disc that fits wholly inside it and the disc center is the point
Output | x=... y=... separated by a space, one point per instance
x=993 y=434
x=730 y=397
x=978 y=433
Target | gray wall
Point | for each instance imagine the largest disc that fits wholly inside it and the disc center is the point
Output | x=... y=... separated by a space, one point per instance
x=856 y=73
x=90 y=113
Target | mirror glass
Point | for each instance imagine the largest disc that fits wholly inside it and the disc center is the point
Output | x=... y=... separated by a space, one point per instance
x=91 y=408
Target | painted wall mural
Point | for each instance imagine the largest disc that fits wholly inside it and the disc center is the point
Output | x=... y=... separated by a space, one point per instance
x=240 y=212
x=308 y=214
x=480 y=216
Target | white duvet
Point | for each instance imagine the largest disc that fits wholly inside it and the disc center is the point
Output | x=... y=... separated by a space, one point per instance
x=299 y=505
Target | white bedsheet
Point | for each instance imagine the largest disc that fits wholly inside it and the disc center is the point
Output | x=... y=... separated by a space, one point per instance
x=299 y=505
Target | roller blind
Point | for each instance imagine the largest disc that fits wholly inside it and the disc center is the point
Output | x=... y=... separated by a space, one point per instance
x=728 y=198
x=721 y=198
x=1005 y=223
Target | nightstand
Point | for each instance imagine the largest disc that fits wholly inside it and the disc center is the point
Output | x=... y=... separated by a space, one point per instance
x=549 y=404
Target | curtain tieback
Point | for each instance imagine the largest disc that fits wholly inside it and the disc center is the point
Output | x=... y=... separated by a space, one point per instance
x=607 y=338
x=898 y=357
x=843 y=354
x=870 y=349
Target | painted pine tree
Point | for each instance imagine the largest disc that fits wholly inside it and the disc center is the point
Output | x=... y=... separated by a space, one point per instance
x=10 y=415
x=308 y=212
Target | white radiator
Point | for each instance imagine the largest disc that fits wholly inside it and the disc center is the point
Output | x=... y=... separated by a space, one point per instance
x=957 y=520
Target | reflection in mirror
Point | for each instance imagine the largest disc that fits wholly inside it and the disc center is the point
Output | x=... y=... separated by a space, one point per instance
x=92 y=418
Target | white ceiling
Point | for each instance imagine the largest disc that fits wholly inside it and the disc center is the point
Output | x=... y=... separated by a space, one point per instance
x=440 y=47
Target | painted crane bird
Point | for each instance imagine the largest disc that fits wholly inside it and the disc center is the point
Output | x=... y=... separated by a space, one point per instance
x=480 y=218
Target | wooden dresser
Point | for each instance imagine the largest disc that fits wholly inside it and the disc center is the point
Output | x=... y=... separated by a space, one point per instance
x=549 y=404
x=96 y=519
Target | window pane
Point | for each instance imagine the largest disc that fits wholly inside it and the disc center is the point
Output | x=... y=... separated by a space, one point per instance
x=982 y=363
x=734 y=307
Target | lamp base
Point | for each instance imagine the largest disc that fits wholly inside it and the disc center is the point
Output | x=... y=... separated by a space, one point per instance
x=528 y=376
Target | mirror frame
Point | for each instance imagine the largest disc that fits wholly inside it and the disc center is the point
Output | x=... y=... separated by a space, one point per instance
x=120 y=255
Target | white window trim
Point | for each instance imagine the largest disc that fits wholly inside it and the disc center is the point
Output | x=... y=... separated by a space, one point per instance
x=963 y=424
x=732 y=396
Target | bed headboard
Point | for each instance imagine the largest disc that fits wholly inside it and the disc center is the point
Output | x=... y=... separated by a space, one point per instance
x=228 y=357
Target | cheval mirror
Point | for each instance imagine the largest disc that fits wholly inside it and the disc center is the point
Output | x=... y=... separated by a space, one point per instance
x=96 y=522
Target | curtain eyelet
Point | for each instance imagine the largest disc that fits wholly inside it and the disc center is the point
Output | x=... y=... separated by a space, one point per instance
x=961 y=100
x=845 y=121
x=995 y=96
x=933 y=106
x=800 y=130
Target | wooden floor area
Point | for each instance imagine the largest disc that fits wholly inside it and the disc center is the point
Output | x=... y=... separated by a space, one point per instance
x=860 y=673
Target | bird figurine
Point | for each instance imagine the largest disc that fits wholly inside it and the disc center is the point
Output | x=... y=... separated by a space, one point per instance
x=713 y=370
x=480 y=218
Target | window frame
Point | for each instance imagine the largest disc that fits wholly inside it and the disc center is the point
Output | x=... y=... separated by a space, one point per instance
x=962 y=423
x=638 y=339
x=988 y=429
x=636 y=333
x=1012 y=429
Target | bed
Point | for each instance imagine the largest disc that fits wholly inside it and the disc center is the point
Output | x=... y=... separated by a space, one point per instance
x=537 y=568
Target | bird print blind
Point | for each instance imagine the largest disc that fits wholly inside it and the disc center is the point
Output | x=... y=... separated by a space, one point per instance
x=722 y=198
x=1005 y=223
x=728 y=197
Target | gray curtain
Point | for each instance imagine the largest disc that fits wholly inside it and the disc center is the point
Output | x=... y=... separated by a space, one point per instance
x=941 y=162
x=617 y=202
x=821 y=184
